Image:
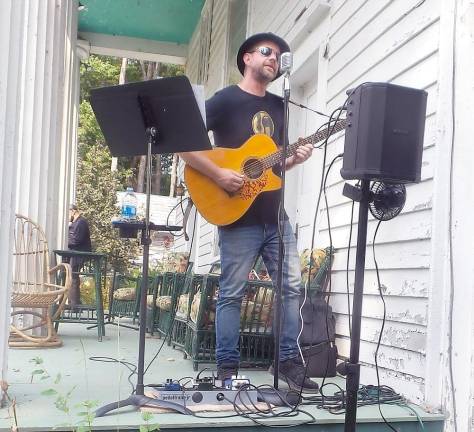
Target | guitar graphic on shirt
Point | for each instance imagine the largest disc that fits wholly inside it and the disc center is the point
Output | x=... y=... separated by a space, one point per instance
x=254 y=159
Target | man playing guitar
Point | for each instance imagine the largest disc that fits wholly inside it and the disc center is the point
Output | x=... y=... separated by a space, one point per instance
x=235 y=114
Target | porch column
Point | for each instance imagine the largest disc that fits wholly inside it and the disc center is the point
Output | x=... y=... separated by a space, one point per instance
x=462 y=228
x=39 y=88
x=11 y=40
x=450 y=346
x=49 y=100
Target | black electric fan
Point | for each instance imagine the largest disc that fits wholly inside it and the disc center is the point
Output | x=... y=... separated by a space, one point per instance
x=386 y=200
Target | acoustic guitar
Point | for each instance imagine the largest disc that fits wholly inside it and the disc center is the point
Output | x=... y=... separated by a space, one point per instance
x=254 y=159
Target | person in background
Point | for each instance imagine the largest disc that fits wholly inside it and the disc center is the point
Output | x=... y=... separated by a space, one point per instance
x=79 y=239
x=234 y=114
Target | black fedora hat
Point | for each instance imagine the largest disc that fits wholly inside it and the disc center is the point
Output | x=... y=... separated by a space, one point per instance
x=255 y=39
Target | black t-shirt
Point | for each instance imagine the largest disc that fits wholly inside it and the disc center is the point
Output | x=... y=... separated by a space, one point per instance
x=234 y=116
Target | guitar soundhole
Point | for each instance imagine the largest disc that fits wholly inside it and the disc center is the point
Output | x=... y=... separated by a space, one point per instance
x=253 y=168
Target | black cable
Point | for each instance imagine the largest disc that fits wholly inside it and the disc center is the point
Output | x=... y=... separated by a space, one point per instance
x=347 y=270
x=183 y=378
x=266 y=414
x=308 y=108
x=168 y=333
x=165 y=337
x=366 y=395
x=179 y=203
x=335 y=404
x=201 y=371
x=330 y=257
x=130 y=366
x=323 y=188
x=246 y=408
x=330 y=131
x=323 y=165
x=382 y=328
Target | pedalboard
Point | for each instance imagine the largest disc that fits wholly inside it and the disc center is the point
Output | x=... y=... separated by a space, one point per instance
x=236 y=391
x=207 y=391
x=220 y=397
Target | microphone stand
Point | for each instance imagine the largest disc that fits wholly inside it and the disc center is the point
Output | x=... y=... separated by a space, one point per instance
x=281 y=228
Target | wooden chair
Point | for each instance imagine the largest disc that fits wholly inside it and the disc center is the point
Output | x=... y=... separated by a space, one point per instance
x=35 y=290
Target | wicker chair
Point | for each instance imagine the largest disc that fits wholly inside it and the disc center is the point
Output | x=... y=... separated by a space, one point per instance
x=35 y=291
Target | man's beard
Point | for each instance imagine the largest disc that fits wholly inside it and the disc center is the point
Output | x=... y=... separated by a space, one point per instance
x=263 y=76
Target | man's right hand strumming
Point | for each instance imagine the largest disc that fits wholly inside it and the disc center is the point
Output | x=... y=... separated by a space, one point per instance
x=229 y=180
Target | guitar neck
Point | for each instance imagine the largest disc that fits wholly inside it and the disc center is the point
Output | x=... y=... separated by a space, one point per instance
x=276 y=157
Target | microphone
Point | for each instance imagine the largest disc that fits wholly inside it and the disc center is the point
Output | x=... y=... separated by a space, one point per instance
x=286 y=63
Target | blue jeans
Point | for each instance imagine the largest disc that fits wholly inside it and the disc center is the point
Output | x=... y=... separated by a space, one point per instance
x=239 y=247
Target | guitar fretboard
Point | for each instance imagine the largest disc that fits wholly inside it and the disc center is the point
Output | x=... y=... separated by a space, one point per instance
x=276 y=157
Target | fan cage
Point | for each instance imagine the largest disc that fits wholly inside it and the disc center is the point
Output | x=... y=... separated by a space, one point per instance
x=386 y=200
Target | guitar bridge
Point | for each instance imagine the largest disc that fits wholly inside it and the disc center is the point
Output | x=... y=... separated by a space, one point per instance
x=252 y=188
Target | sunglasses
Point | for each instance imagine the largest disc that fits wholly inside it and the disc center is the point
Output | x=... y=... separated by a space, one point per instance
x=267 y=52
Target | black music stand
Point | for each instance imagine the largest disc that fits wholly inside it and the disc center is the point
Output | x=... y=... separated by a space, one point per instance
x=157 y=116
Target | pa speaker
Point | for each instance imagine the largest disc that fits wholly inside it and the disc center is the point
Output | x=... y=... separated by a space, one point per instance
x=384 y=133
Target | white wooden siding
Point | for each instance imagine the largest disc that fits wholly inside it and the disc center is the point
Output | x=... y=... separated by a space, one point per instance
x=278 y=16
x=390 y=41
x=218 y=52
x=394 y=42
x=339 y=44
x=193 y=60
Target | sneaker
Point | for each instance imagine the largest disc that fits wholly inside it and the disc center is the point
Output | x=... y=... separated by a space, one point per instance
x=226 y=371
x=293 y=372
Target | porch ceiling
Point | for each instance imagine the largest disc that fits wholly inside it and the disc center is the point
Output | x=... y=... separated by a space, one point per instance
x=156 y=30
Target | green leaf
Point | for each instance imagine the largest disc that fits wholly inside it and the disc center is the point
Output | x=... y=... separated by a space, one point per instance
x=83 y=413
x=68 y=394
x=37 y=372
x=88 y=404
x=91 y=403
x=58 y=378
x=62 y=407
x=143 y=428
x=83 y=428
x=49 y=392
x=61 y=404
x=147 y=416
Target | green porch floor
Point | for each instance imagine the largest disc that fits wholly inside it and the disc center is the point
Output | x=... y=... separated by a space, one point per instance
x=107 y=382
